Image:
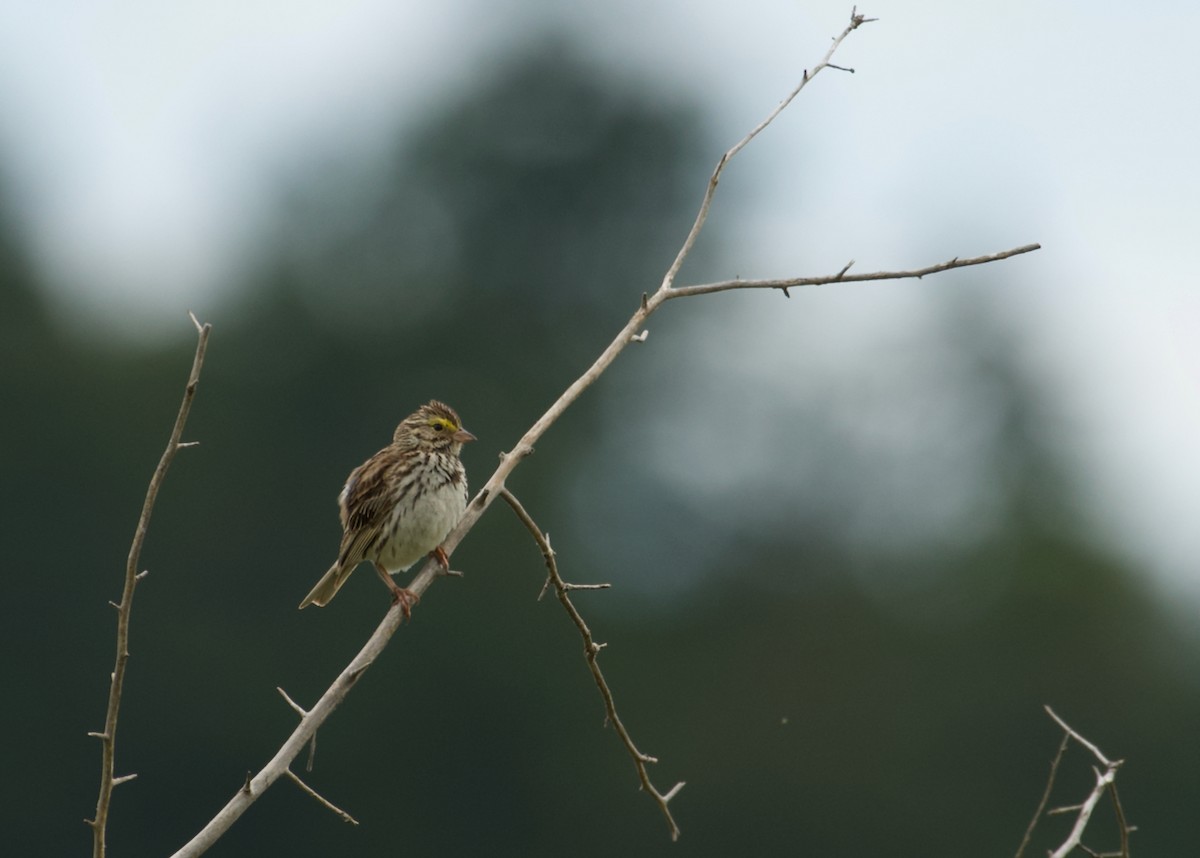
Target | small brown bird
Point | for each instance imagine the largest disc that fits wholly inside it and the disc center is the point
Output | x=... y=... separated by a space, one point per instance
x=400 y=504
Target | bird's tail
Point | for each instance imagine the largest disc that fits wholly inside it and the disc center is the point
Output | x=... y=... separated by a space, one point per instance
x=328 y=586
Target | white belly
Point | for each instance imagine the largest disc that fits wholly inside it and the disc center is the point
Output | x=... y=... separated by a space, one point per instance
x=414 y=533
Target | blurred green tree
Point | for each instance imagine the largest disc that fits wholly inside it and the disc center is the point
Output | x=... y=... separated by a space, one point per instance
x=485 y=260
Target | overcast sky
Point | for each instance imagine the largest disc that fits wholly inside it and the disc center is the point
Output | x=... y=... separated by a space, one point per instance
x=144 y=142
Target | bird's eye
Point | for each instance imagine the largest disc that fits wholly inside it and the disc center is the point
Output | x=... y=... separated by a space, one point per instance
x=438 y=427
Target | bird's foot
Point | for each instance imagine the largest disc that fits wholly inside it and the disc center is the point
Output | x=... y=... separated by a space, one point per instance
x=405 y=598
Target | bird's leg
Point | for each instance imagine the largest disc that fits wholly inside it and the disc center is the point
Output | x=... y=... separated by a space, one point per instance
x=401 y=596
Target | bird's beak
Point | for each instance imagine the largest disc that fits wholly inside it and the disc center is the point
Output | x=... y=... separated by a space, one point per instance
x=462 y=436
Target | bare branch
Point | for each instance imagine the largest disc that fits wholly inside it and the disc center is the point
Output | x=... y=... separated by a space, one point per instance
x=1105 y=782
x=633 y=331
x=1085 y=813
x=278 y=765
x=1078 y=738
x=843 y=277
x=345 y=816
x=1124 y=829
x=108 y=738
x=856 y=21
x=1037 y=814
x=590 y=650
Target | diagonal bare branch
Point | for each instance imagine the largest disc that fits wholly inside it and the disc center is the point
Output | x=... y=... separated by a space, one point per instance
x=632 y=331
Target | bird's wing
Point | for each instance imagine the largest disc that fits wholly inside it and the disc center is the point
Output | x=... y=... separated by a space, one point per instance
x=364 y=508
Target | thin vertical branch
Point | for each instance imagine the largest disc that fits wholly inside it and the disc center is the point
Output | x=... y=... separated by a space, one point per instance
x=1041 y=808
x=108 y=738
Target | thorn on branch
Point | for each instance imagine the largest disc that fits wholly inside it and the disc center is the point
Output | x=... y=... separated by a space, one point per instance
x=103 y=737
x=139 y=576
x=246 y=786
x=840 y=68
x=645 y=302
x=785 y=291
x=123 y=779
x=639 y=338
x=183 y=444
x=312 y=753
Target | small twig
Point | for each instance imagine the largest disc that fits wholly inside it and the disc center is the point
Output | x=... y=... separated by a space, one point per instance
x=345 y=816
x=1124 y=829
x=299 y=710
x=1078 y=738
x=108 y=737
x=590 y=650
x=1037 y=814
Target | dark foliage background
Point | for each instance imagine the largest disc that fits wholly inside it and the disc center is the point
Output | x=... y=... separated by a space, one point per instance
x=820 y=691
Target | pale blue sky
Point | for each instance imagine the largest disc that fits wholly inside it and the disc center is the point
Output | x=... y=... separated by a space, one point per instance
x=145 y=142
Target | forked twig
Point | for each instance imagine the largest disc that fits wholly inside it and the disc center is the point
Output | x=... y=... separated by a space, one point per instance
x=108 y=738
x=856 y=21
x=590 y=652
x=1105 y=782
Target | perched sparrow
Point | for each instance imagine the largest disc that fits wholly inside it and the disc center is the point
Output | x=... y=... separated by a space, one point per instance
x=398 y=506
